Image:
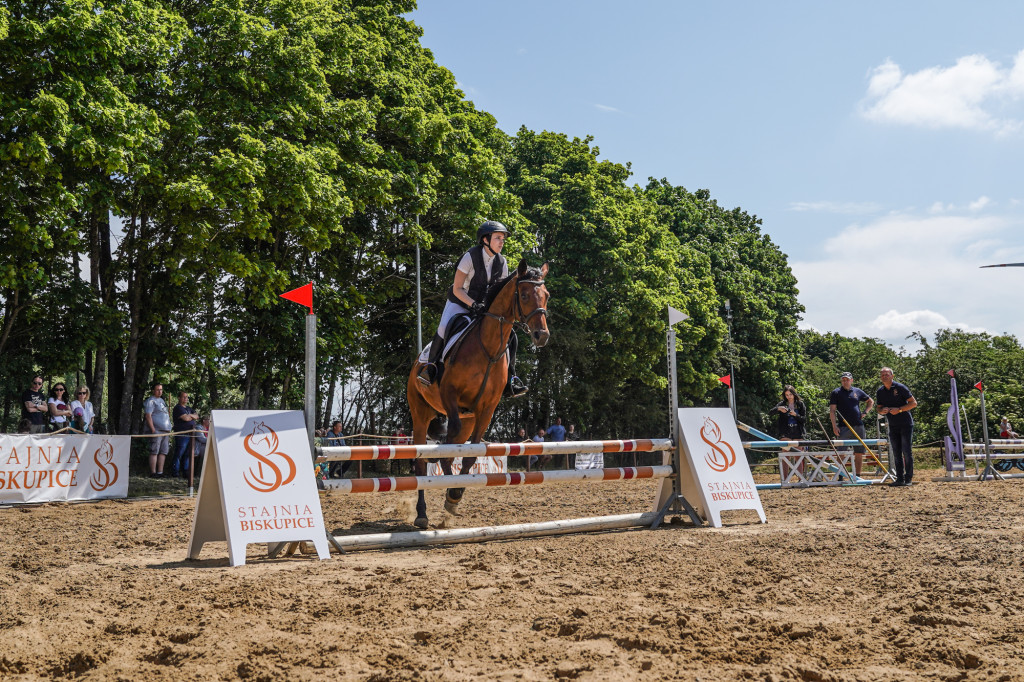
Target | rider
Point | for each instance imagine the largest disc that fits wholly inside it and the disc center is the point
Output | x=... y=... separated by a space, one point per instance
x=478 y=269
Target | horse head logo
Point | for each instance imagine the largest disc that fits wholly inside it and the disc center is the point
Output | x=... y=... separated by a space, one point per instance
x=718 y=459
x=272 y=469
x=106 y=473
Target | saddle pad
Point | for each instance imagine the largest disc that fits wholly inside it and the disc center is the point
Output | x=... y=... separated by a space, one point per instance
x=425 y=354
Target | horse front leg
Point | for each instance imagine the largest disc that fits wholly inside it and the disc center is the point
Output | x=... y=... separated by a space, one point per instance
x=454 y=495
x=420 y=466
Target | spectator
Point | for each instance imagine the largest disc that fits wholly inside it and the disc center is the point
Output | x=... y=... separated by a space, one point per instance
x=82 y=410
x=60 y=413
x=521 y=436
x=570 y=433
x=539 y=460
x=895 y=401
x=791 y=417
x=1006 y=429
x=335 y=439
x=24 y=426
x=33 y=406
x=846 y=401
x=158 y=422
x=556 y=432
x=184 y=420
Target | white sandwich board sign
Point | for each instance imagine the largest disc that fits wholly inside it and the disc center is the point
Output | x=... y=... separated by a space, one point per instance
x=715 y=475
x=257 y=484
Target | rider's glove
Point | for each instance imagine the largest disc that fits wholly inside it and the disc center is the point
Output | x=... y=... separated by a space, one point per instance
x=477 y=307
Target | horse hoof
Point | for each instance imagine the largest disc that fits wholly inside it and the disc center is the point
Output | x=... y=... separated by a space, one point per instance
x=420 y=523
x=451 y=507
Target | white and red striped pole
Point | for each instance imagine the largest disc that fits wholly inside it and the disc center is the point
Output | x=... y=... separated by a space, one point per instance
x=408 y=483
x=367 y=452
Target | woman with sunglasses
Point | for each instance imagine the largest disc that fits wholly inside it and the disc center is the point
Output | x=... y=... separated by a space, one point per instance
x=82 y=410
x=59 y=410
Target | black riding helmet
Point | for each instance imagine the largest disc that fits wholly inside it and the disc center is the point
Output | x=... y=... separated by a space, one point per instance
x=489 y=228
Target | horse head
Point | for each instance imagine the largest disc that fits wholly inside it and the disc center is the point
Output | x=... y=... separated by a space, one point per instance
x=532 y=300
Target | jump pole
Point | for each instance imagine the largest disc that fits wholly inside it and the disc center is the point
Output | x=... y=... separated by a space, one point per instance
x=485 y=533
x=409 y=483
x=372 y=452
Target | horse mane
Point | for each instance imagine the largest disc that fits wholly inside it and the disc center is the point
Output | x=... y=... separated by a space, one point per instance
x=532 y=273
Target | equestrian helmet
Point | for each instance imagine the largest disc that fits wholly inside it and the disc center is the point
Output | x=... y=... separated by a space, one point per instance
x=489 y=228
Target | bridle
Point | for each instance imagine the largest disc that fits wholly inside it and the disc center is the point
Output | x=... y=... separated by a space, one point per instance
x=518 y=318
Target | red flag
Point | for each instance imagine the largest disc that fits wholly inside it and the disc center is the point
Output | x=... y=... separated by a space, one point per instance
x=303 y=296
x=950 y=373
x=979 y=387
x=727 y=380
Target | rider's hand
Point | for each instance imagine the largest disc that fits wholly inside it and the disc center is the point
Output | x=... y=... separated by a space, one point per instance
x=477 y=307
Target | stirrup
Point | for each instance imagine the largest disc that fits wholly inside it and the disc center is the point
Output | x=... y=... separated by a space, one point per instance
x=427 y=374
x=515 y=387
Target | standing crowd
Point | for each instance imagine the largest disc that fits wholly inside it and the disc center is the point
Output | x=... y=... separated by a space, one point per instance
x=40 y=414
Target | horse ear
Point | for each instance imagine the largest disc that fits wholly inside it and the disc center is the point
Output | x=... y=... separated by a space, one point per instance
x=544 y=270
x=523 y=266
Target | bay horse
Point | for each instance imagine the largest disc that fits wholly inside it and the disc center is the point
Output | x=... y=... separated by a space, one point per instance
x=476 y=372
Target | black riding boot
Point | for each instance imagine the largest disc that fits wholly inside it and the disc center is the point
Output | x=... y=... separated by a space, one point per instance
x=431 y=371
x=515 y=386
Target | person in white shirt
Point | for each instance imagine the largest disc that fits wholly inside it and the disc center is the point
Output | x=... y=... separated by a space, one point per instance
x=82 y=410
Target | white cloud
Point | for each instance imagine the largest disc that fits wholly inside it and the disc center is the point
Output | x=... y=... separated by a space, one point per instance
x=974 y=94
x=902 y=273
x=894 y=324
x=979 y=203
x=605 y=107
x=847 y=207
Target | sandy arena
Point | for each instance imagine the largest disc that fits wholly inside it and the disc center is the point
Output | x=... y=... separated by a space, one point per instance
x=842 y=584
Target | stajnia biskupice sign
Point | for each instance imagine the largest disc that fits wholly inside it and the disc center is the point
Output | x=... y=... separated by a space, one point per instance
x=51 y=468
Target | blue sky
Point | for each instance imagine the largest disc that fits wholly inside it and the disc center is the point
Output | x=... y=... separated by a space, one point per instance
x=882 y=144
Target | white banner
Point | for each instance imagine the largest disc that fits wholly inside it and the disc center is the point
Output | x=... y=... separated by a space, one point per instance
x=483 y=465
x=257 y=484
x=60 y=468
x=590 y=461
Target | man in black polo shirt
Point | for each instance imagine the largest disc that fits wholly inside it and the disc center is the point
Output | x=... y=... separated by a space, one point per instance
x=847 y=399
x=895 y=402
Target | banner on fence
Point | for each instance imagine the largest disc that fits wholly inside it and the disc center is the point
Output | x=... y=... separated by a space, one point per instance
x=59 y=468
x=483 y=465
x=257 y=484
x=593 y=460
x=715 y=474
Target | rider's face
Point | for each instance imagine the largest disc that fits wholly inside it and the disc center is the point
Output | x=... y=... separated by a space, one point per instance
x=497 y=242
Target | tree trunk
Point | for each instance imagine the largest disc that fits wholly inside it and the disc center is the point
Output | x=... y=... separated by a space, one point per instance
x=134 y=313
x=329 y=407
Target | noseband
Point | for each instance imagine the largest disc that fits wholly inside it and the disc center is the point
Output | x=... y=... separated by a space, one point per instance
x=519 y=307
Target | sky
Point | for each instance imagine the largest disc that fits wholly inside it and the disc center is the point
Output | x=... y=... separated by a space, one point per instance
x=881 y=144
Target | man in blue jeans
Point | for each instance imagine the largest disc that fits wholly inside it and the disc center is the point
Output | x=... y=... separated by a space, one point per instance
x=184 y=423
x=895 y=402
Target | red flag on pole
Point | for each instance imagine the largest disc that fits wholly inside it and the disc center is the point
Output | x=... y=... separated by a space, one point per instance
x=950 y=373
x=979 y=387
x=727 y=380
x=303 y=296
